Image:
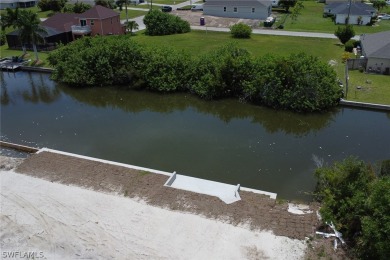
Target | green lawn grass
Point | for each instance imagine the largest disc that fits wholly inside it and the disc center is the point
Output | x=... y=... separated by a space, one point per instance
x=311 y=20
x=168 y=2
x=369 y=88
x=131 y=13
x=146 y=6
x=198 y=42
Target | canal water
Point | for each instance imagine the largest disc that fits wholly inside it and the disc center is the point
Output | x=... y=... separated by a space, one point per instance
x=222 y=140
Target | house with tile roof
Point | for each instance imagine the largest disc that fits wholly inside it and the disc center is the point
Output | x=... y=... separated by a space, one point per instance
x=359 y=13
x=376 y=49
x=98 y=20
x=246 y=9
x=66 y=27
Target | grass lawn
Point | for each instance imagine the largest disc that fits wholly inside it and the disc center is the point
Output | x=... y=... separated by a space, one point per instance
x=168 y=2
x=311 y=20
x=131 y=13
x=146 y=7
x=198 y=42
x=372 y=88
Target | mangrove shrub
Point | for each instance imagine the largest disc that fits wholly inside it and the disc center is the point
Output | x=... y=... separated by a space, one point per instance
x=299 y=82
x=357 y=200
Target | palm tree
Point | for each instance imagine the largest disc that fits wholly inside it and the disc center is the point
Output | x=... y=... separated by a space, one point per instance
x=127 y=16
x=9 y=18
x=30 y=30
x=131 y=25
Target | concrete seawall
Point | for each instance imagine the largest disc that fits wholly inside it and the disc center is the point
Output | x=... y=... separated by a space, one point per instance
x=364 y=105
x=36 y=69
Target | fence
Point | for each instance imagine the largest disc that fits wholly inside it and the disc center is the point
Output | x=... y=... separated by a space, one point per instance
x=354 y=64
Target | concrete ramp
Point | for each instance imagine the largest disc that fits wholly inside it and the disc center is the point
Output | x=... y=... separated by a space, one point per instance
x=226 y=192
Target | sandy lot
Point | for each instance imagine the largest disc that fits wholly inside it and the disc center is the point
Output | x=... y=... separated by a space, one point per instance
x=61 y=221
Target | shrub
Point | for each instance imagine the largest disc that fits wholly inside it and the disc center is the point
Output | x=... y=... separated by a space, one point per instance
x=385 y=168
x=358 y=203
x=115 y=58
x=160 y=23
x=106 y=3
x=53 y=5
x=222 y=73
x=349 y=45
x=241 y=30
x=344 y=33
x=165 y=69
x=345 y=56
x=299 y=82
x=3 y=39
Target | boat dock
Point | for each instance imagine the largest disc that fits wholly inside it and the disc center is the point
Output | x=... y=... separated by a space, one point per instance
x=11 y=64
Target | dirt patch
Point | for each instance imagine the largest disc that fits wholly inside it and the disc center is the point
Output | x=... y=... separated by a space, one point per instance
x=213 y=21
x=259 y=211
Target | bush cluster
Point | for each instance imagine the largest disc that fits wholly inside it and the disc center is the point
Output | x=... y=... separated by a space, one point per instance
x=51 y=5
x=357 y=200
x=298 y=82
x=160 y=23
x=241 y=30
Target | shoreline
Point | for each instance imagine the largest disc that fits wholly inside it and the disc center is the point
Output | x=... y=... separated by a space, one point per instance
x=63 y=218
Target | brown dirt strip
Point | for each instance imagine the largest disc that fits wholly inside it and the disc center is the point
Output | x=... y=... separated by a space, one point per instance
x=259 y=211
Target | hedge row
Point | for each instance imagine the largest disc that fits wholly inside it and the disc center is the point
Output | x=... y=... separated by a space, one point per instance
x=298 y=82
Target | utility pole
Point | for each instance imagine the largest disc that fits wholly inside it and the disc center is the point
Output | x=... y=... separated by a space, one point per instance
x=349 y=11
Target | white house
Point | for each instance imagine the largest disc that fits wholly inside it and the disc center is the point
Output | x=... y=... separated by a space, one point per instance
x=246 y=9
x=376 y=49
x=359 y=13
x=12 y=4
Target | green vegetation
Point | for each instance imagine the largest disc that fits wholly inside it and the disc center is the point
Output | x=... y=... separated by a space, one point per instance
x=28 y=25
x=35 y=9
x=311 y=20
x=78 y=8
x=369 y=88
x=298 y=82
x=160 y=23
x=169 y=2
x=344 y=33
x=241 y=30
x=356 y=197
x=131 y=13
x=106 y=3
x=49 y=5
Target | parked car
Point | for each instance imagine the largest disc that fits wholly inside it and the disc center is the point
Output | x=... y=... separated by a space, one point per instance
x=166 y=8
x=384 y=16
x=197 y=8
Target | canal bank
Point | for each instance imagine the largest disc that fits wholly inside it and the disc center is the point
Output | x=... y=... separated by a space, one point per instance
x=343 y=102
x=259 y=211
x=50 y=220
x=224 y=140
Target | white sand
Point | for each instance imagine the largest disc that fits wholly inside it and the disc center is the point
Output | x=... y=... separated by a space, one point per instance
x=66 y=222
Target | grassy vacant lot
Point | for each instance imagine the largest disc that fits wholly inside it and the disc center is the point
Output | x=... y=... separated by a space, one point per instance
x=369 y=88
x=131 y=13
x=311 y=20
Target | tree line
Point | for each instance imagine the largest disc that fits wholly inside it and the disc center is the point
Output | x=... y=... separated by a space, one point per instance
x=298 y=82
